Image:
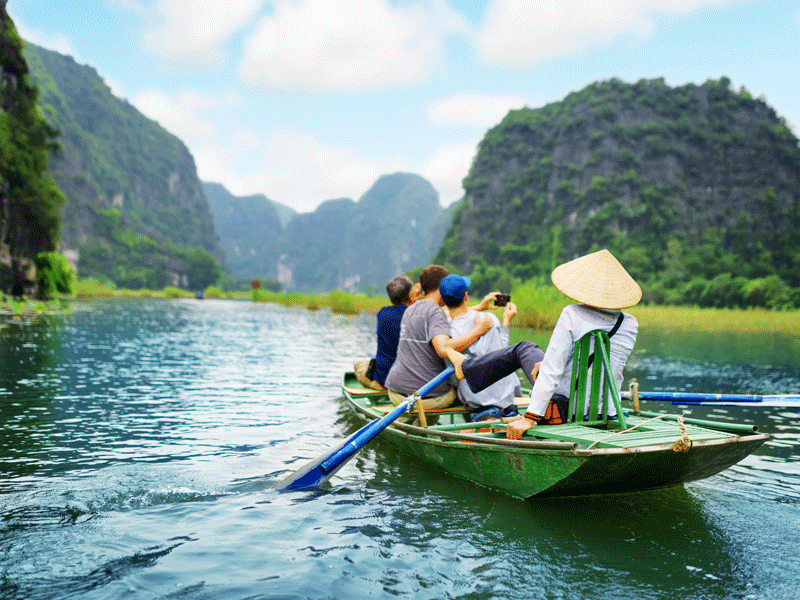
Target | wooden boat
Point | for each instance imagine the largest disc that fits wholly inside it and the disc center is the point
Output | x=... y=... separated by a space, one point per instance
x=636 y=451
x=564 y=460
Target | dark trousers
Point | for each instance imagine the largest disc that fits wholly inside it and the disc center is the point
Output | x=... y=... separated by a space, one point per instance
x=482 y=371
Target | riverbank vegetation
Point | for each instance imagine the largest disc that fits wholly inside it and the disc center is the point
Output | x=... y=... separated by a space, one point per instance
x=539 y=306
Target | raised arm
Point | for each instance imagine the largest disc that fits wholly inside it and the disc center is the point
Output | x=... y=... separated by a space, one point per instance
x=486 y=303
x=441 y=343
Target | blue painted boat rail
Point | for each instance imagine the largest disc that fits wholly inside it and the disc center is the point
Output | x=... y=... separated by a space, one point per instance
x=691 y=398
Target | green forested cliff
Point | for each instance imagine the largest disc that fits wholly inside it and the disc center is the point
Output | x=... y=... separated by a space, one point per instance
x=29 y=198
x=696 y=189
x=135 y=211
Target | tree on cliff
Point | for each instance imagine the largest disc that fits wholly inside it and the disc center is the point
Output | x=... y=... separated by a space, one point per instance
x=29 y=199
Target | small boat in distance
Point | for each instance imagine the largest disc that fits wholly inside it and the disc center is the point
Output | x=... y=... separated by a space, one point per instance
x=650 y=451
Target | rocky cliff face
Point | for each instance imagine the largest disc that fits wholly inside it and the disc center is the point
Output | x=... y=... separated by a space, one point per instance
x=113 y=157
x=362 y=245
x=250 y=231
x=395 y=226
x=636 y=168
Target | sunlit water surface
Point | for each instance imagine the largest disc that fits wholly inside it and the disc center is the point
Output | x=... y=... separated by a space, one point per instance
x=140 y=440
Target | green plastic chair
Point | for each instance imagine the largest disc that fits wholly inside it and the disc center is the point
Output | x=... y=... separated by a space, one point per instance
x=602 y=382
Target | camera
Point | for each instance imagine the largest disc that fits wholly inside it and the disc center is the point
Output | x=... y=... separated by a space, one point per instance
x=502 y=299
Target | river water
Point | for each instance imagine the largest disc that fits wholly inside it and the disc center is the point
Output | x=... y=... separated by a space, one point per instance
x=140 y=440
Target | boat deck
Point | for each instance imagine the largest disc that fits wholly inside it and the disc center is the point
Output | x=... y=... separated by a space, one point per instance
x=643 y=431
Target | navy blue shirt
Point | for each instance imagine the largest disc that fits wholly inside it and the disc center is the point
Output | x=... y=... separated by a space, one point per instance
x=389 y=318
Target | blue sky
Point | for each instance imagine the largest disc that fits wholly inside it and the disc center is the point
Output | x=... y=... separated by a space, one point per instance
x=310 y=100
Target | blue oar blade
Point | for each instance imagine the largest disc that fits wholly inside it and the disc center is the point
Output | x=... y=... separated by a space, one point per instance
x=311 y=473
x=324 y=466
x=321 y=468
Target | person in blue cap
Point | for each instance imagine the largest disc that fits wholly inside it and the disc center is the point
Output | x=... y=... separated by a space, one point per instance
x=497 y=400
x=424 y=342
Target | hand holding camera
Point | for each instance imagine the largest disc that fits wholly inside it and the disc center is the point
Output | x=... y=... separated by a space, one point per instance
x=502 y=299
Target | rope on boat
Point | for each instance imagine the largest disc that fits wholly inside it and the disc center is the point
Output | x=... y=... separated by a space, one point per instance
x=685 y=442
x=682 y=444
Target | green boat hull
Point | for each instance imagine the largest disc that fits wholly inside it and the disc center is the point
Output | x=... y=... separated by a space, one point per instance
x=556 y=461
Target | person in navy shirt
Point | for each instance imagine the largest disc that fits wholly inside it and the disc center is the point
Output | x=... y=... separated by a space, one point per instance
x=372 y=373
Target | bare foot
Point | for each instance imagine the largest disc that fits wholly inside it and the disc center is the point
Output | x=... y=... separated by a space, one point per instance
x=456 y=358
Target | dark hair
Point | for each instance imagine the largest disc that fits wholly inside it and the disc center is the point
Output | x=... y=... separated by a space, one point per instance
x=398 y=289
x=453 y=303
x=431 y=277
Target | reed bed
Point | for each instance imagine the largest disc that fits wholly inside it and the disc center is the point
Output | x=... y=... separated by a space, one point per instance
x=538 y=308
x=687 y=318
x=337 y=301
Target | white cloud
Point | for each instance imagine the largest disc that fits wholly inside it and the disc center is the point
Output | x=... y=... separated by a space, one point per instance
x=52 y=41
x=684 y=6
x=292 y=168
x=520 y=33
x=186 y=115
x=318 y=45
x=300 y=171
x=191 y=31
x=481 y=110
x=446 y=168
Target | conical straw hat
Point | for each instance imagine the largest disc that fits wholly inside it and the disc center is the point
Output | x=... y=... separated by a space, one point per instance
x=598 y=280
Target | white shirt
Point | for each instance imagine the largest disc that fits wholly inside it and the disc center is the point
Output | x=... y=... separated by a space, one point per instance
x=575 y=321
x=501 y=393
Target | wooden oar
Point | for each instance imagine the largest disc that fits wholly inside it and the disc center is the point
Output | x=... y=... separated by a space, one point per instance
x=719 y=399
x=321 y=468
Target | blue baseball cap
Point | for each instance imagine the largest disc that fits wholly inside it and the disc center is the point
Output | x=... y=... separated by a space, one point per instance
x=453 y=287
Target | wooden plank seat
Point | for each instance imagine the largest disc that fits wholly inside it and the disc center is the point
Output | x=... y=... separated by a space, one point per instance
x=360 y=390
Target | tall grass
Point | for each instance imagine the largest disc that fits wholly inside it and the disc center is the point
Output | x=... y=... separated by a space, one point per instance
x=337 y=300
x=538 y=304
x=92 y=288
x=686 y=318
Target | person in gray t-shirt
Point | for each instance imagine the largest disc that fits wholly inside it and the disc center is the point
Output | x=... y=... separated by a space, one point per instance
x=424 y=342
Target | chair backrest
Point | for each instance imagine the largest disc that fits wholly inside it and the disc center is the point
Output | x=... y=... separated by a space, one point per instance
x=602 y=385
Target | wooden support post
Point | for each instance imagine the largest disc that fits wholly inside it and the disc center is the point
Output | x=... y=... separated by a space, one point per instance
x=635 y=394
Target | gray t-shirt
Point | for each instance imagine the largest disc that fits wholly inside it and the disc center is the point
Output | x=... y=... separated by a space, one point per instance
x=417 y=362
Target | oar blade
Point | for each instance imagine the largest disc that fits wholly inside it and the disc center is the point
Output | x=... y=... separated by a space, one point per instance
x=321 y=468
x=313 y=473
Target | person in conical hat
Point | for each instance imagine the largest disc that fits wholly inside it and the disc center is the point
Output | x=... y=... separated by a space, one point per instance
x=597 y=280
x=602 y=287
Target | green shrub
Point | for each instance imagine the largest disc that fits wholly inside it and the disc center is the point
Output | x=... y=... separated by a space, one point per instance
x=213 y=291
x=94 y=288
x=174 y=292
x=54 y=275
